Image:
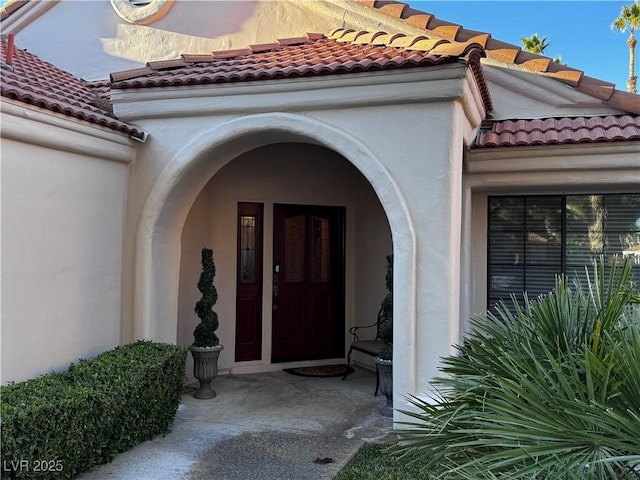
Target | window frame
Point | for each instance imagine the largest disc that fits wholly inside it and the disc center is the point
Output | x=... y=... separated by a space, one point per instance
x=563 y=232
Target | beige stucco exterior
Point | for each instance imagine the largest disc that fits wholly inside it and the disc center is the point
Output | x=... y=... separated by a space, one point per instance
x=107 y=36
x=200 y=132
x=64 y=190
x=125 y=222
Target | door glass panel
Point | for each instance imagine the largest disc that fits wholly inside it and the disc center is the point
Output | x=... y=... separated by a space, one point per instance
x=247 y=248
x=320 y=249
x=294 y=248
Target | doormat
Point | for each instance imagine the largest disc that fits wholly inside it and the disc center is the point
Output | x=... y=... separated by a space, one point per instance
x=321 y=371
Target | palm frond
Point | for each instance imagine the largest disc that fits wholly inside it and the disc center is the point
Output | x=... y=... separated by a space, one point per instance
x=547 y=390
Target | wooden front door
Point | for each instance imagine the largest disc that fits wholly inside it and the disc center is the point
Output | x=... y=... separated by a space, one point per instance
x=308 y=282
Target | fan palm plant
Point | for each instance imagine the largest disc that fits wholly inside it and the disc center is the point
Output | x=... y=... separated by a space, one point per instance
x=550 y=391
x=535 y=44
x=629 y=22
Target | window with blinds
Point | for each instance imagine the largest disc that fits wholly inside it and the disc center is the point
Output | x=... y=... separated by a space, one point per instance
x=531 y=239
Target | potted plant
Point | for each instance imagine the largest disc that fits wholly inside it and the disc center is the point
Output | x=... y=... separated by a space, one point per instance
x=206 y=346
x=384 y=361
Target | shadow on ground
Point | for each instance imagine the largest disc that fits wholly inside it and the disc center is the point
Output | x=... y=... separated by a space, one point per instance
x=268 y=426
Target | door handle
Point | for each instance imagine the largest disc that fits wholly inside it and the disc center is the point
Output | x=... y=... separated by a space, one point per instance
x=275 y=292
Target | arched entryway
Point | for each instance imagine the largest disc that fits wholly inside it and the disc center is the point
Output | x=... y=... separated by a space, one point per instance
x=300 y=240
x=160 y=230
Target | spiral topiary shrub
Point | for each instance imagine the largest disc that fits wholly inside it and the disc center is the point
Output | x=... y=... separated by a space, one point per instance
x=204 y=334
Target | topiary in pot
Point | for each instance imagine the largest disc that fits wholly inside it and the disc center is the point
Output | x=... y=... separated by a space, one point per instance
x=206 y=345
x=204 y=334
x=384 y=361
x=386 y=327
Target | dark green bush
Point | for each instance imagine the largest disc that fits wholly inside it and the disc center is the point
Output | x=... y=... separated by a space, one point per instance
x=204 y=335
x=60 y=424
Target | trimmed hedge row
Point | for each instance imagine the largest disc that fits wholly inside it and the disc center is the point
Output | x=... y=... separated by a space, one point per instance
x=60 y=424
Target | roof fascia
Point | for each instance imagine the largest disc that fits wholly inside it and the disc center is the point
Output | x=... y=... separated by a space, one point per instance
x=27 y=14
x=27 y=124
x=566 y=168
x=307 y=93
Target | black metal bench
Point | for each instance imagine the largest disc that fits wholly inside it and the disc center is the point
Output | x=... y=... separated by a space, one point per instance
x=368 y=347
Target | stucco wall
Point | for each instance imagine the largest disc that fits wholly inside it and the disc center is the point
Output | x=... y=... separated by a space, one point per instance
x=90 y=40
x=281 y=173
x=539 y=170
x=410 y=154
x=62 y=226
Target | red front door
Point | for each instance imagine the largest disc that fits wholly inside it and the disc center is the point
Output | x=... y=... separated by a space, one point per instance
x=308 y=280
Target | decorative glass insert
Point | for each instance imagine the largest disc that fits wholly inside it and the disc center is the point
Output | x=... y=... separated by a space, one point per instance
x=320 y=249
x=531 y=239
x=247 y=248
x=294 y=247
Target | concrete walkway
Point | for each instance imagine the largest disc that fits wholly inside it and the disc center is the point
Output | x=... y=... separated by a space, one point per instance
x=268 y=426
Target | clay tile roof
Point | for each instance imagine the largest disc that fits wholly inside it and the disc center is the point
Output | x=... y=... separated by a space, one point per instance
x=238 y=52
x=507 y=53
x=166 y=64
x=555 y=131
x=31 y=80
x=10 y=7
x=342 y=51
x=197 y=58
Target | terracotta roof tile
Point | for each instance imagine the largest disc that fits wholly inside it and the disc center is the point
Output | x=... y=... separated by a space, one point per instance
x=293 y=41
x=10 y=7
x=392 y=9
x=31 y=80
x=550 y=131
x=126 y=74
x=238 y=52
x=368 y=38
x=507 y=53
x=196 y=58
x=386 y=38
x=345 y=51
x=426 y=44
x=406 y=42
x=352 y=36
x=537 y=64
x=164 y=64
x=419 y=21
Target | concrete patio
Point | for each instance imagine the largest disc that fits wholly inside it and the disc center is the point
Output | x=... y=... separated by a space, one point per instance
x=268 y=426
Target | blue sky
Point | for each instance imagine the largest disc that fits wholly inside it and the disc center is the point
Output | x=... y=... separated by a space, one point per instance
x=578 y=31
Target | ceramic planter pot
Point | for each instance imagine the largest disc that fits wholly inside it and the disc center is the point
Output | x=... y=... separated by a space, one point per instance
x=205 y=369
x=385 y=370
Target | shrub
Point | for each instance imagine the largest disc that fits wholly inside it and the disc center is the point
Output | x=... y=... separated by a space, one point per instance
x=386 y=326
x=60 y=424
x=204 y=333
x=552 y=391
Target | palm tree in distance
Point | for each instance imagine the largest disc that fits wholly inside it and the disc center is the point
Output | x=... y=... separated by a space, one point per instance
x=629 y=22
x=535 y=44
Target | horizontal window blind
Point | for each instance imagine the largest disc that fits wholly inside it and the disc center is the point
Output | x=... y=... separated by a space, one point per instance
x=531 y=239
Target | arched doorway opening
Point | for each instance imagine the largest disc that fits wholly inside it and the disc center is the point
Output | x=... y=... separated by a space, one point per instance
x=316 y=260
x=160 y=228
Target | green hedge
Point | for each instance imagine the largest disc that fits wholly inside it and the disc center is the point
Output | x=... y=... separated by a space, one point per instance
x=60 y=424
